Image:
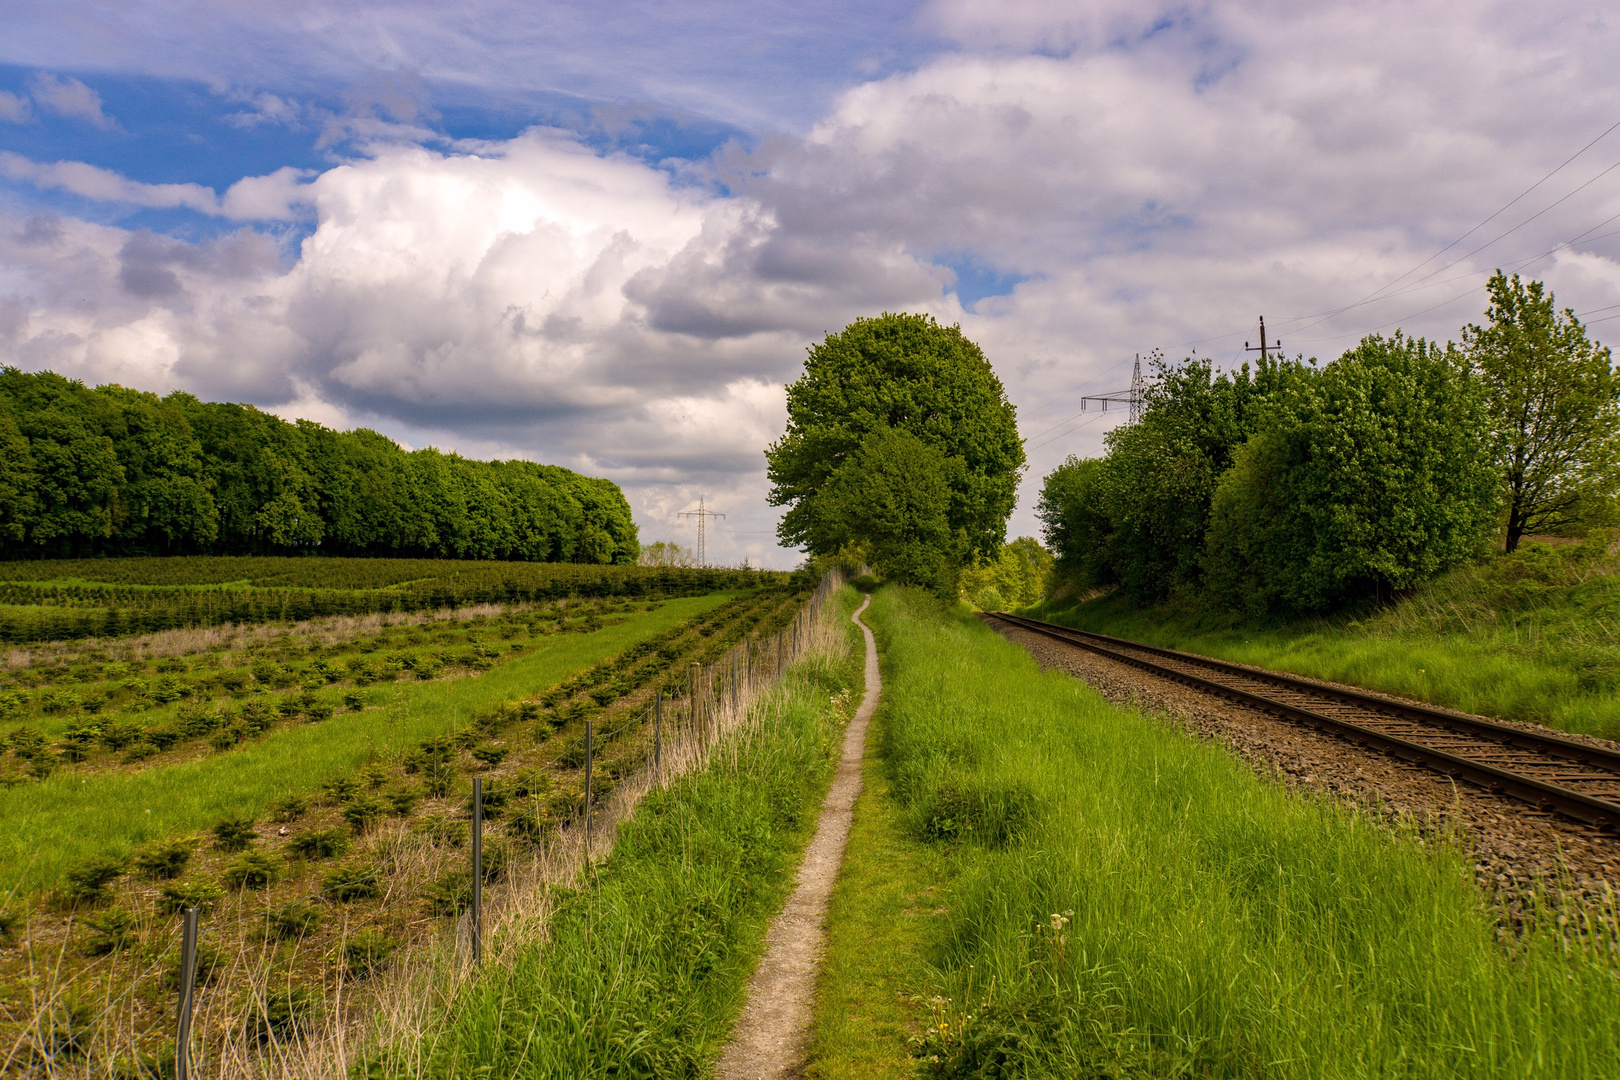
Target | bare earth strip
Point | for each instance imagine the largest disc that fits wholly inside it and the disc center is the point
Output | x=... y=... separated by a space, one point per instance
x=772 y=1034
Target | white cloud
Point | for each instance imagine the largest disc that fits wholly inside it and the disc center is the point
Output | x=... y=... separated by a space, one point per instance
x=13 y=108
x=68 y=97
x=274 y=197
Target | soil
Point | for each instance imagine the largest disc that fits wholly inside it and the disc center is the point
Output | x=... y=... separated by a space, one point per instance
x=1518 y=850
x=773 y=1032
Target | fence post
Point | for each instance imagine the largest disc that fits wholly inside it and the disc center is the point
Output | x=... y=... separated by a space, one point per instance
x=693 y=677
x=188 y=986
x=478 y=870
x=736 y=702
x=587 y=789
x=658 y=735
x=779 y=653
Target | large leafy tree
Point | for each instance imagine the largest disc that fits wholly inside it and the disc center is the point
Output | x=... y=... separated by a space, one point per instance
x=1554 y=401
x=903 y=373
x=1366 y=479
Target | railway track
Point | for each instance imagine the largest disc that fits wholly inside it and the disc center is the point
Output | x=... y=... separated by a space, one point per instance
x=1556 y=774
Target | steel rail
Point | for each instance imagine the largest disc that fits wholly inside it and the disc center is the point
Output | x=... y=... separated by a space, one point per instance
x=1541 y=793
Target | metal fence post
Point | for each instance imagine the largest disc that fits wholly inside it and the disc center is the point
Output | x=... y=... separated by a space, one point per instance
x=478 y=869
x=587 y=789
x=188 y=987
x=736 y=702
x=658 y=734
x=693 y=677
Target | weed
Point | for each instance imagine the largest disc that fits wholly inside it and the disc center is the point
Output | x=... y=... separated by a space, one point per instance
x=253 y=870
x=202 y=895
x=368 y=952
x=164 y=859
x=87 y=880
x=355 y=881
x=234 y=833
x=320 y=843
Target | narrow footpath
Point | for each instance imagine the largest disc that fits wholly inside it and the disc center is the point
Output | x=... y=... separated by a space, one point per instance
x=772 y=1034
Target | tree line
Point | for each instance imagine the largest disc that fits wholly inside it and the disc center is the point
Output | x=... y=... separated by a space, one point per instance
x=1289 y=488
x=111 y=471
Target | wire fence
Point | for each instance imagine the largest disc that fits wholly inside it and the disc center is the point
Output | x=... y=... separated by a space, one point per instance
x=677 y=732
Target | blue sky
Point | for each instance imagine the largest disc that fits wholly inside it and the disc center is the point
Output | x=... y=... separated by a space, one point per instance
x=604 y=235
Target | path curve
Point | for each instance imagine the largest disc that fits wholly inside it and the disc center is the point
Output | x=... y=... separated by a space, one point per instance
x=773 y=1032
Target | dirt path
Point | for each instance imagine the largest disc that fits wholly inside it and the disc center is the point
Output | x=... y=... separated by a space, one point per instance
x=770 y=1038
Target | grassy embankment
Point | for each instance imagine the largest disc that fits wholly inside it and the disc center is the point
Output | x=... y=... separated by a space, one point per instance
x=1530 y=636
x=642 y=971
x=46 y=825
x=1082 y=891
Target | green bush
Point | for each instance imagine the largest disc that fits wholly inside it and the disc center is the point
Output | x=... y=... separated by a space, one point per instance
x=234 y=833
x=164 y=859
x=354 y=881
x=292 y=921
x=319 y=843
x=253 y=870
x=87 y=881
x=179 y=895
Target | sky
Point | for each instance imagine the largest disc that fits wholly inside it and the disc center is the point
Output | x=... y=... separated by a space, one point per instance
x=604 y=235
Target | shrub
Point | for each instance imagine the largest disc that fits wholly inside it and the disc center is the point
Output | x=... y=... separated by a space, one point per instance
x=87 y=880
x=490 y=755
x=437 y=776
x=201 y=895
x=363 y=813
x=283 y=1012
x=355 y=881
x=368 y=952
x=234 y=833
x=289 y=809
x=164 y=859
x=450 y=893
x=112 y=931
x=291 y=921
x=403 y=800
x=341 y=790
x=532 y=824
x=320 y=843
x=253 y=870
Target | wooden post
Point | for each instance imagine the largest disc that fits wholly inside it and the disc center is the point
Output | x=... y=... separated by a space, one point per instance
x=587 y=790
x=693 y=691
x=658 y=735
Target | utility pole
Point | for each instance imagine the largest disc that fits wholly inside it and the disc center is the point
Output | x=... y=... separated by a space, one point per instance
x=1262 y=347
x=702 y=514
x=1131 y=397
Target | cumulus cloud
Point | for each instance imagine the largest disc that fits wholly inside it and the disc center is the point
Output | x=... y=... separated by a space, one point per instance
x=68 y=97
x=1150 y=176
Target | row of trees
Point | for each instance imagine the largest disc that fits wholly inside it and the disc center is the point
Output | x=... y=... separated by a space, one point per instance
x=1291 y=489
x=901 y=451
x=113 y=471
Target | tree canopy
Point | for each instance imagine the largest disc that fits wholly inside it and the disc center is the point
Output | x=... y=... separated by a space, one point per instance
x=899 y=385
x=113 y=471
x=1554 y=404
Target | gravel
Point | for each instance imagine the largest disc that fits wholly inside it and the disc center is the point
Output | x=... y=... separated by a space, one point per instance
x=1517 y=849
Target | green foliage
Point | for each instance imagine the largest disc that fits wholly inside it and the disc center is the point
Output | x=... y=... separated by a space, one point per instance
x=253 y=870
x=292 y=921
x=285 y=1011
x=319 y=843
x=891 y=500
x=111 y=931
x=354 y=881
x=164 y=859
x=368 y=952
x=112 y=471
x=180 y=895
x=906 y=374
x=86 y=881
x=234 y=833
x=1015 y=578
x=1368 y=479
x=1554 y=405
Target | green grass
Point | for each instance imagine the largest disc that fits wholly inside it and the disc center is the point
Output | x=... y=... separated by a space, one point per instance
x=1215 y=924
x=644 y=969
x=46 y=825
x=1532 y=636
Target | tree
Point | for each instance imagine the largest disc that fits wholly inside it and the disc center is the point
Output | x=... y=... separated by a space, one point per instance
x=1016 y=578
x=1367 y=479
x=902 y=373
x=1554 y=401
x=1077 y=528
x=891 y=498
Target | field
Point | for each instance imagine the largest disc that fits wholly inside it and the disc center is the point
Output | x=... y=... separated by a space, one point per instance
x=50 y=600
x=307 y=785
x=1530 y=636
x=1045 y=885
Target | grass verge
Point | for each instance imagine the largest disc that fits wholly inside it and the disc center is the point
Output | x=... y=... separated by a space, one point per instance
x=1530 y=636
x=46 y=826
x=643 y=969
x=1123 y=900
